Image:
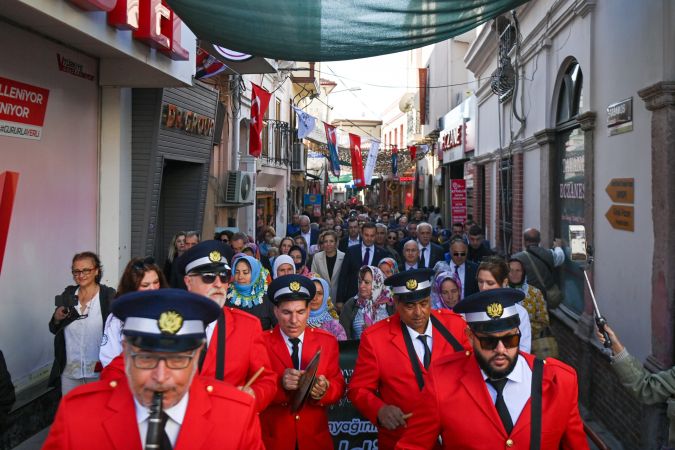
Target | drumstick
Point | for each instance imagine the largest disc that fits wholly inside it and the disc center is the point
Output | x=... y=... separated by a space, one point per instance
x=254 y=377
x=407 y=416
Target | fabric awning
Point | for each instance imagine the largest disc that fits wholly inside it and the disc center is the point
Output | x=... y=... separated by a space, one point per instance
x=331 y=30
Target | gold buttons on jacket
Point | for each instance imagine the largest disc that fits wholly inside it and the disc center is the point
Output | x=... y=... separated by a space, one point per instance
x=297 y=417
x=509 y=442
x=113 y=384
x=467 y=353
x=209 y=388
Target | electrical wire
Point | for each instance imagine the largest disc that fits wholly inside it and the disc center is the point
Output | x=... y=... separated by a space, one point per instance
x=402 y=87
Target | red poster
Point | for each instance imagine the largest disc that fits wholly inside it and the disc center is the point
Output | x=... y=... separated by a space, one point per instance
x=357 y=161
x=458 y=208
x=22 y=109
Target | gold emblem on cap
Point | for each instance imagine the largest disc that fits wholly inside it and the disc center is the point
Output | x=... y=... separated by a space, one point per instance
x=495 y=310
x=214 y=256
x=170 y=322
x=294 y=286
x=411 y=284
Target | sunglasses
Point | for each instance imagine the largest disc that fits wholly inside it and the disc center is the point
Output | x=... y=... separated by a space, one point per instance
x=459 y=254
x=491 y=342
x=210 y=278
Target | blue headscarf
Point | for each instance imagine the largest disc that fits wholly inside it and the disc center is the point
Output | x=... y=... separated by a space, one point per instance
x=251 y=294
x=321 y=315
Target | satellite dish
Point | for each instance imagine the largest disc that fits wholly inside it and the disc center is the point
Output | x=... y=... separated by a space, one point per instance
x=407 y=102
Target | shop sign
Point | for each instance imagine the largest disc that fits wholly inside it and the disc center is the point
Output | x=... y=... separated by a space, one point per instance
x=187 y=121
x=456 y=138
x=22 y=109
x=150 y=21
x=620 y=117
x=458 y=208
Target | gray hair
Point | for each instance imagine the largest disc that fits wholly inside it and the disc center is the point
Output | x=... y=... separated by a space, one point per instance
x=424 y=224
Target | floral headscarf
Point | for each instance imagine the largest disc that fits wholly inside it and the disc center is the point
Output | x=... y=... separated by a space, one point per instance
x=301 y=268
x=436 y=299
x=381 y=295
x=321 y=315
x=253 y=247
x=392 y=263
x=281 y=260
x=248 y=295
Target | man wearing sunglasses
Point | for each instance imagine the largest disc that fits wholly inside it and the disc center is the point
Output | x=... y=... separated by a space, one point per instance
x=496 y=396
x=164 y=333
x=456 y=262
x=235 y=349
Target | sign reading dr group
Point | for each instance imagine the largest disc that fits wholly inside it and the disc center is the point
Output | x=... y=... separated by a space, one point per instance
x=150 y=21
x=22 y=109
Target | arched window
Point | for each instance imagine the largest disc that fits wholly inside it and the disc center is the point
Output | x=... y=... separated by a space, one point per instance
x=570 y=178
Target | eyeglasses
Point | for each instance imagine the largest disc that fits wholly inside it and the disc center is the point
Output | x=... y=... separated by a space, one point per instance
x=210 y=278
x=84 y=272
x=459 y=254
x=147 y=361
x=491 y=342
x=147 y=261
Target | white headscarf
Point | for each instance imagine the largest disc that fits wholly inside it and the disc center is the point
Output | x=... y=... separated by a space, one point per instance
x=279 y=260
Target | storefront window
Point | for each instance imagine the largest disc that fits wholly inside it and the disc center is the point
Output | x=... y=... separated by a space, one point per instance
x=570 y=182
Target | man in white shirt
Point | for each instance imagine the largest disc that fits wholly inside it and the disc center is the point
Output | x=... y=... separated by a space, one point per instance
x=161 y=398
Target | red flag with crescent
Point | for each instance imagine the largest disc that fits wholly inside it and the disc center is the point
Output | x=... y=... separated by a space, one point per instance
x=260 y=100
x=357 y=160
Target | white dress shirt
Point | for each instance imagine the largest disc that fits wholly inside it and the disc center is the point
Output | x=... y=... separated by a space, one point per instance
x=289 y=345
x=307 y=236
x=83 y=340
x=419 y=347
x=517 y=389
x=370 y=257
x=409 y=267
x=351 y=242
x=111 y=342
x=176 y=415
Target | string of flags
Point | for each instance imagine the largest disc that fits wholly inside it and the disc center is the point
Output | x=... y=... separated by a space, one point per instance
x=361 y=175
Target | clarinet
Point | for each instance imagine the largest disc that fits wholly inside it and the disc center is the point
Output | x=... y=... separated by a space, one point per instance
x=152 y=439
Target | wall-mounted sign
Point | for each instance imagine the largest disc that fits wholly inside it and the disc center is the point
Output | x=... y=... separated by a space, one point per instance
x=620 y=117
x=621 y=217
x=458 y=208
x=187 y=121
x=621 y=190
x=67 y=65
x=150 y=21
x=22 y=109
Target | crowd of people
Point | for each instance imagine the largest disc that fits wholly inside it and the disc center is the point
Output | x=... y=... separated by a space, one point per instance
x=428 y=304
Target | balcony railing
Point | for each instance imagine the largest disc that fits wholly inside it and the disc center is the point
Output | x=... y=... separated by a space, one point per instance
x=276 y=143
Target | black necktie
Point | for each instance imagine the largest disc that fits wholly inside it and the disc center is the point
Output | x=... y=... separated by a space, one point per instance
x=422 y=264
x=295 y=356
x=366 y=257
x=164 y=441
x=427 y=350
x=500 y=404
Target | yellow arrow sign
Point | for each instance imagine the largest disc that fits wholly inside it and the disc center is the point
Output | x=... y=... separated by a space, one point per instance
x=621 y=190
x=621 y=217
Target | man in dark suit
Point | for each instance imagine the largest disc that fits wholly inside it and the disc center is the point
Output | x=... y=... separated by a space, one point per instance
x=356 y=256
x=310 y=234
x=430 y=253
x=466 y=270
x=411 y=256
x=353 y=237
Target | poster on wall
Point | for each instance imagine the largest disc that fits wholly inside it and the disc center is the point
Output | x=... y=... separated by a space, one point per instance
x=22 y=109
x=458 y=209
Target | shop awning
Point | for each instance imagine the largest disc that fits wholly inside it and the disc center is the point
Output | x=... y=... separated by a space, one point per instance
x=347 y=178
x=330 y=30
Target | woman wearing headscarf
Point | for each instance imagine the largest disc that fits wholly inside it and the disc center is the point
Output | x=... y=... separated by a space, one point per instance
x=446 y=290
x=299 y=256
x=372 y=303
x=534 y=301
x=283 y=265
x=320 y=311
x=248 y=288
x=388 y=266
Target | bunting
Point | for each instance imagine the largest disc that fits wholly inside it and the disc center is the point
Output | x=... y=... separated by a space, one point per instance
x=357 y=161
x=370 y=163
x=306 y=123
x=331 y=140
x=260 y=100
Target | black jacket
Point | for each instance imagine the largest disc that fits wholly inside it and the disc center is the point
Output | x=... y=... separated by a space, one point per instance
x=7 y=396
x=106 y=295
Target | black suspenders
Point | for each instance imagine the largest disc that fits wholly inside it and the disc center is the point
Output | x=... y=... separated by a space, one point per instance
x=536 y=410
x=220 y=349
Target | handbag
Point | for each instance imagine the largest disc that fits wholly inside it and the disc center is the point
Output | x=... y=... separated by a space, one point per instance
x=545 y=345
x=553 y=294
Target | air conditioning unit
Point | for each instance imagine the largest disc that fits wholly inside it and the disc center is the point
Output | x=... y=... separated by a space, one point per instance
x=238 y=187
x=298 y=157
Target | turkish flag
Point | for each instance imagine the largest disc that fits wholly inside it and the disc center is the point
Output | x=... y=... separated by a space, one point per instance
x=357 y=160
x=260 y=100
x=413 y=152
